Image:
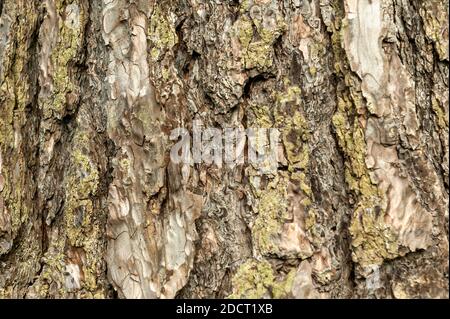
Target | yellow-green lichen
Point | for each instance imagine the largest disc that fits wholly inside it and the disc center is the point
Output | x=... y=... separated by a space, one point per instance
x=434 y=15
x=291 y=95
x=70 y=37
x=257 y=54
x=351 y=139
x=260 y=116
x=92 y=247
x=300 y=178
x=295 y=131
x=82 y=184
x=82 y=217
x=53 y=266
x=15 y=96
x=298 y=156
x=244 y=6
x=310 y=220
x=125 y=164
x=161 y=33
x=245 y=31
x=272 y=212
x=256 y=279
x=372 y=240
x=441 y=118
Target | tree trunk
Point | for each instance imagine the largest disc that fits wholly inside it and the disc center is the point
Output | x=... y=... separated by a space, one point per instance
x=92 y=204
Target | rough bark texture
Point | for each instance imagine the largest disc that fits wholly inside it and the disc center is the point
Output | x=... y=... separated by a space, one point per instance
x=92 y=206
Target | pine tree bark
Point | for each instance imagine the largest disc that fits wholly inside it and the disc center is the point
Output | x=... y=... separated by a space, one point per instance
x=91 y=206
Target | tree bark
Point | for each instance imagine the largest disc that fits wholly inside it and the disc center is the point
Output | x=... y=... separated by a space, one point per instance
x=91 y=205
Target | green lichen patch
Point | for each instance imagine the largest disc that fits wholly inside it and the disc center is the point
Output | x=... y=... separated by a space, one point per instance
x=300 y=178
x=161 y=34
x=351 y=139
x=260 y=116
x=441 y=118
x=52 y=270
x=290 y=95
x=256 y=279
x=294 y=127
x=257 y=42
x=287 y=116
x=434 y=14
x=82 y=185
x=245 y=32
x=373 y=241
x=298 y=156
x=14 y=98
x=272 y=211
x=258 y=55
x=69 y=42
